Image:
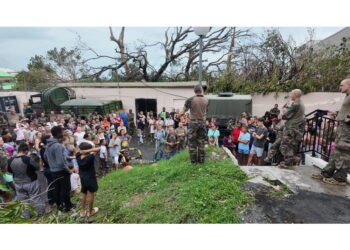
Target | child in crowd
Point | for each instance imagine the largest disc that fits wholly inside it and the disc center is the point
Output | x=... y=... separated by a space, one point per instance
x=159 y=138
x=171 y=143
x=139 y=136
x=228 y=143
x=86 y=160
x=243 y=146
x=213 y=133
x=103 y=156
x=114 y=148
x=257 y=148
x=235 y=133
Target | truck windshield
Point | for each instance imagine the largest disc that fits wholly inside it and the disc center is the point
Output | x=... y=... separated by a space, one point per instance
x=36 y=99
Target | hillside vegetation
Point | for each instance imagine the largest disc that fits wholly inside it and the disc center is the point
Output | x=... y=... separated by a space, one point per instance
x=173 y=191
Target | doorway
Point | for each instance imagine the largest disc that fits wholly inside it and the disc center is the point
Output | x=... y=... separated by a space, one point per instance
x=146 y=105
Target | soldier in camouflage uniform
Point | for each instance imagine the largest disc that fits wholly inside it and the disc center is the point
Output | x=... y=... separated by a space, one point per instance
x=274 y=155
x=171 y=143
x=293 y=130
x=335 y=172
x=198 y=106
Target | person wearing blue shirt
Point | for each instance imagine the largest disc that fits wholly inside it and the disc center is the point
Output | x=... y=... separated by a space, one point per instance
x=124 y=116
x=213 y=136
x=243 y=146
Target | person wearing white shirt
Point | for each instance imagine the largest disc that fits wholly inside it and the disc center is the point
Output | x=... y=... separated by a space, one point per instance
x=169 y=123
x=86 y=138
x=79 y=135
x=114 y=148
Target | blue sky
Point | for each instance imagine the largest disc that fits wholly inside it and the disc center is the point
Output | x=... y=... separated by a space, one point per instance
x=18 y=44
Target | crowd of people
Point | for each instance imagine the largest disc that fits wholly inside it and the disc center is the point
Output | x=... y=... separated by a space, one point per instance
x=256 y=140
x=71 y=151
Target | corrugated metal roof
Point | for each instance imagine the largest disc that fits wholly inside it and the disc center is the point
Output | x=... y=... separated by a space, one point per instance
x=85 y=102
x=190 y=84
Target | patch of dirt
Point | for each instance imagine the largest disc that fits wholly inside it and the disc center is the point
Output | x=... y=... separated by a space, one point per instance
x=135 y=199
x=215 y=156
x=303 y=207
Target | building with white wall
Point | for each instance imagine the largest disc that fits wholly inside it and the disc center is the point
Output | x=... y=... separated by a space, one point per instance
x=145 y=96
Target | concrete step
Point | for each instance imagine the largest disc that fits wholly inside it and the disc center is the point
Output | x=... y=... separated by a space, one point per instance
x=297 y=179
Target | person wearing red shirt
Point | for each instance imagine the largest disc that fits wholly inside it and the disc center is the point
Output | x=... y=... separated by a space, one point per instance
x=184 y=122
x=235 y=133
x=118 y=120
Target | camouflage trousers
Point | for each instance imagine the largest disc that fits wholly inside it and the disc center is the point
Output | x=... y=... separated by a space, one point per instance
x=196 y=141
x=339 y=160
x=131 y=128
x=181 y=144
x=274 y=154
x=289 y=148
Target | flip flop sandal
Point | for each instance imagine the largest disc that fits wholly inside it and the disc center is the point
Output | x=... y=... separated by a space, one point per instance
x=332 y=181
x=317 y=176
x=94 y=211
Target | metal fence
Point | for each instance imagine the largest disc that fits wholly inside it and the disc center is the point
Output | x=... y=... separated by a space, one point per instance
x=319 y=134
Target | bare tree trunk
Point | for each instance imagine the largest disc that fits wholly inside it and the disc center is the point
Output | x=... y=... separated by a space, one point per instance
x=121 y=45
x=230 y=50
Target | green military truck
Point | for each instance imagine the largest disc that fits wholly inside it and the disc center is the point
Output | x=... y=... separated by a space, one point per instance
x=64 y=98
x=82 y=107
x=228 y=106
x=50 y=100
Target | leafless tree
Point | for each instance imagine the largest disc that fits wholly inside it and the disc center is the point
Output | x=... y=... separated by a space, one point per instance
x=177 y=48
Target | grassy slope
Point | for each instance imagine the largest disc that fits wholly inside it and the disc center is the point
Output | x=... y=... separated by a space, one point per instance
x=173 y=191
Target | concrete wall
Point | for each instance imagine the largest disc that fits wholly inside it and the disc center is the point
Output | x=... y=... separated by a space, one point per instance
x=316 y=100
x=175 y=98
x=166 y=97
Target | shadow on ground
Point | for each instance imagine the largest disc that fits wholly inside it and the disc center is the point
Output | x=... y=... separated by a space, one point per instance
x=303 y=207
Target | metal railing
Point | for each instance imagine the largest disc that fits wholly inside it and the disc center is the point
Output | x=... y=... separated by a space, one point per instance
x=319 y=134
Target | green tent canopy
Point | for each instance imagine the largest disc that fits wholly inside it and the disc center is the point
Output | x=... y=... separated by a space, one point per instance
x=85 y=102
x=83 y=107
